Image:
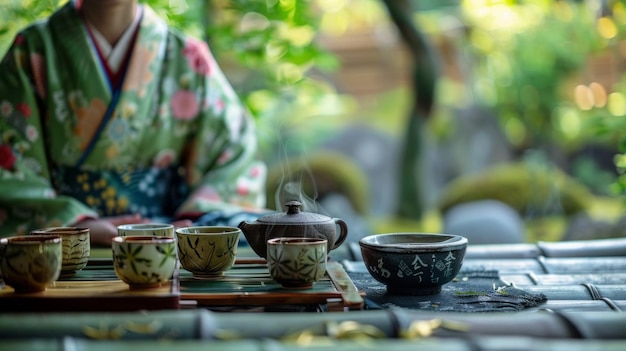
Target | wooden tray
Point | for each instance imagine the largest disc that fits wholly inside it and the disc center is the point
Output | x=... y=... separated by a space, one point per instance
x=249 y=283
x=95 y=288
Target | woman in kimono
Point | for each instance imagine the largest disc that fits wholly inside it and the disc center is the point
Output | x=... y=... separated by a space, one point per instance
x=108 y=116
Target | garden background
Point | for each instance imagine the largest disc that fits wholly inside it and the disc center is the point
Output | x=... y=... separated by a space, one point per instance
x=390 y=113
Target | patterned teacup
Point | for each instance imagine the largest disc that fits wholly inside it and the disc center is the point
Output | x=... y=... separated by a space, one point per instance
x=30 y=263
x=144 y=261
x=207 y=251
x=297 y=263
x=76 y=247
x=146 y=229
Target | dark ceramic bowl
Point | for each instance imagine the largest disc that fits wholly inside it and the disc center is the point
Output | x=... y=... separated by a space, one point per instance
x=413 y=263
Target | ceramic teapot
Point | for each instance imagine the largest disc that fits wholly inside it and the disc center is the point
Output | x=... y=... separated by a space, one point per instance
x=294 y=223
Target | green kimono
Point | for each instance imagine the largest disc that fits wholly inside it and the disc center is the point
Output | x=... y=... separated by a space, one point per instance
x=170 y=139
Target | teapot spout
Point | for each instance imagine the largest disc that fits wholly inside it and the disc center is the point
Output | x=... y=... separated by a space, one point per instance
x=246 y=229
x=252 y=233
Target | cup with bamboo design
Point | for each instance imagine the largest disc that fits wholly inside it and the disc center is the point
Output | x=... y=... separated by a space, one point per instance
x=30 y=263
x=146 y=229
x=297 y=263
x=76 y=247
x=207 y=251
x=144 y=261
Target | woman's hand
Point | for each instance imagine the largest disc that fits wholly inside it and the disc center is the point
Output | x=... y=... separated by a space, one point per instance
x=182 y=223
x=104 y=229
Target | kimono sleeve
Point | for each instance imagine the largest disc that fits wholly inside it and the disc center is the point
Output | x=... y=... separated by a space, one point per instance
x=224 y=166
x=27 y=198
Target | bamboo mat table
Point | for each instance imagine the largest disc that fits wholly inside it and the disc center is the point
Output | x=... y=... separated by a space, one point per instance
x=584 y=282
x=575 y=276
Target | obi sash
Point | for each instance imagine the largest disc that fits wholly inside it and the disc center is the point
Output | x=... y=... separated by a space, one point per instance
x=151 y=192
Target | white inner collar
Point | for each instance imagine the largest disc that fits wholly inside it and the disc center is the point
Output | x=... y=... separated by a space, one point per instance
x=115 y=54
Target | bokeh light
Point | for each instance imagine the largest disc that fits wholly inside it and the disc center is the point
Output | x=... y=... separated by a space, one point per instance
x=568 y=122
x=599 y=94
x=617 y=104
x=607 y=28
x=515 y=131
x=583 y=97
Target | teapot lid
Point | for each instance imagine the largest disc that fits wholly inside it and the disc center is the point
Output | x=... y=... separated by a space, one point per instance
x=294 y=215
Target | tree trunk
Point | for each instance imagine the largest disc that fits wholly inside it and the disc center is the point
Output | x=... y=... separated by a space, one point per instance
x=410 y=197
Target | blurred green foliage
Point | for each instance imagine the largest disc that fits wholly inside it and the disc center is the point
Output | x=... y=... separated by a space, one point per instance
x=526 y=54
x=553 y=73
x=16 y=14
x=527 y=61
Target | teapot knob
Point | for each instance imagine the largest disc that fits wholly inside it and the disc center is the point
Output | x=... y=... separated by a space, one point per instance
x=293 y=207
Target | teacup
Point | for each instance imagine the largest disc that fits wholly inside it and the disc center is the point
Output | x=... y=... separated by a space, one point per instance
x=30 y=263
x=76 y=247
x=207 y=251
x=144 y=261
x=146 y=229
x=297 y=263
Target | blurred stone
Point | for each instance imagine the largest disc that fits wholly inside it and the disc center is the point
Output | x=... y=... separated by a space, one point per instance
x=484 y=222
x=474 y=143
x=376 y=153
x=338 y=206
x=582 y=227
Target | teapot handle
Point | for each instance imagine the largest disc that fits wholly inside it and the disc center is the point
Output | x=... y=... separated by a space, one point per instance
x=3 y=251
x=343 y=232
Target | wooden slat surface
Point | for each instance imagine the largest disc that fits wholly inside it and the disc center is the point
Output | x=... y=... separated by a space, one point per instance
x=527 y=265
x=95 y=288
x=577 y=292
x=524 y=279
x=89 y=296
x=249 y=284
x=573 y=306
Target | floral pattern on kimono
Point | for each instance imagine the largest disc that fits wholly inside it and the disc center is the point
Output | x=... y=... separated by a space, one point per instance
x=176 y=142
